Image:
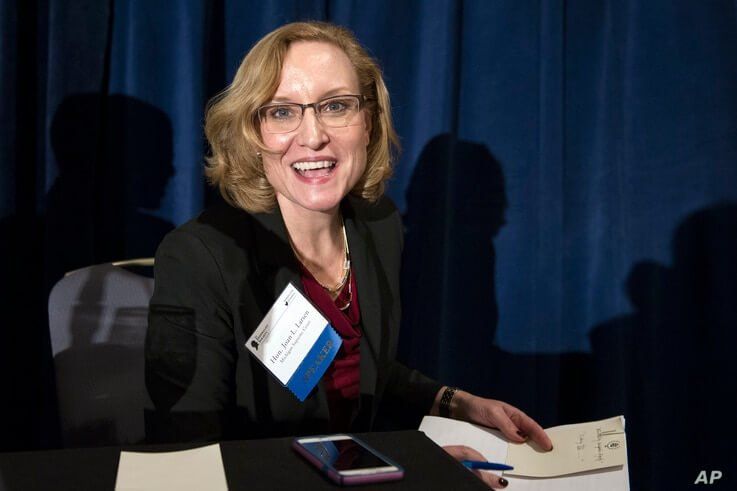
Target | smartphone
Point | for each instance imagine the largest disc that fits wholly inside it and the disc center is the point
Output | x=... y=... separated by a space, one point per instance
x=347 y=460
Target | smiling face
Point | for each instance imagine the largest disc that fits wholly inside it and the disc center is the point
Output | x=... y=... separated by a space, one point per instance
x=314 y=167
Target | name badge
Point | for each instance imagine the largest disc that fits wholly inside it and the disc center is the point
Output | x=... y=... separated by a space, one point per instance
x=295 y=342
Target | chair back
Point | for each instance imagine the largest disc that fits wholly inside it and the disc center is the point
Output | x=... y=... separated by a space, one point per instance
x=97 y=319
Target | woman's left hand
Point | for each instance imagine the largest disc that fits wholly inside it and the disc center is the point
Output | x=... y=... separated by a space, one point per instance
x=512 y=422
x=515 y=424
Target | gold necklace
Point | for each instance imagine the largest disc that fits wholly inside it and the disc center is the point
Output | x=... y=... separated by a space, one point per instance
x=346 y=264
x=348 y=300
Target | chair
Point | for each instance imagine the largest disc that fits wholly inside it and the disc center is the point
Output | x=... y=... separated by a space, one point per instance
x=97 y=322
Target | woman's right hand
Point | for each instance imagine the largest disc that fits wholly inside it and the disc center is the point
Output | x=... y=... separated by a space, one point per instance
x=462 y=452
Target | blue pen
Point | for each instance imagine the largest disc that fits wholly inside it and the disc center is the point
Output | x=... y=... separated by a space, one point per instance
x=487 y=466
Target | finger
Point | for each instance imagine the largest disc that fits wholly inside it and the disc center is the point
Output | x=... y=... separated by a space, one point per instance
x=491 y=479
x=503 y=421
x=462 y=452
x=529 y=428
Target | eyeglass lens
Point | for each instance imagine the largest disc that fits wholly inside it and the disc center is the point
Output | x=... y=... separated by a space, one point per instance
x=335 y=112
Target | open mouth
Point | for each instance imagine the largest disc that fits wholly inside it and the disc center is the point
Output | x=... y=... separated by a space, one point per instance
x=320 y=168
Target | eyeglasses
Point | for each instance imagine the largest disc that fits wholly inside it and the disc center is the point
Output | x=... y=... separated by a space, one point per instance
x=335 y=112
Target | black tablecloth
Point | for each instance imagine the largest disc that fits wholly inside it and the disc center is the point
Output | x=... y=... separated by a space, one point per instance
x=253 y=465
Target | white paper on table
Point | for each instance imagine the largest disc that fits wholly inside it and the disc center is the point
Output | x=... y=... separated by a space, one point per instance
x=195 y=469
x=494 y=447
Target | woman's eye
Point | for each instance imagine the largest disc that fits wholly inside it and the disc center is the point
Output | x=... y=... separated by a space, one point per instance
x=281 y=112
x=334 y=106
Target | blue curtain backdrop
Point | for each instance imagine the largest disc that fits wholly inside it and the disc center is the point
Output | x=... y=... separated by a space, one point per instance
x=568 y=181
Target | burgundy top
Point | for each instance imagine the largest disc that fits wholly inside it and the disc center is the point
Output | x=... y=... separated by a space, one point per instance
x=342 y=379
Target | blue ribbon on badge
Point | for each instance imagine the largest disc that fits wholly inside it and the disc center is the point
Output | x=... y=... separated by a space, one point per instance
x=318 y=359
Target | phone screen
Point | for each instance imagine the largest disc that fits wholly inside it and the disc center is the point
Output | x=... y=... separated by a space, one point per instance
x=344 y=455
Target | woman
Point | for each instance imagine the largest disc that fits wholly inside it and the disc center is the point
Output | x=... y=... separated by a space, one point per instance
x=301 y=148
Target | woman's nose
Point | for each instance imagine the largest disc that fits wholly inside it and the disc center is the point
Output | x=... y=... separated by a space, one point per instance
x=311 y=132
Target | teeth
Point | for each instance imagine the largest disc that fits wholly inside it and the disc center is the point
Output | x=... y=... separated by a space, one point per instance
x=313 y=165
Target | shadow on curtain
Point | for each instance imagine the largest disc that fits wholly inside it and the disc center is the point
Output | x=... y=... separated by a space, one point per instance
x=667 y=366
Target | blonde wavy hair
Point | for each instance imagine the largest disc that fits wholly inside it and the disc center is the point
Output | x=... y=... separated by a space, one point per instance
x=232 y=123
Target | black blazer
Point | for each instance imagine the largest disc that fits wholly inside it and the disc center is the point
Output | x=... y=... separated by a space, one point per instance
x=216 y=277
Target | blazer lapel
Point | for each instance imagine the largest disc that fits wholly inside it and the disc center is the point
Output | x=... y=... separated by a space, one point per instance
x=365 y=264
x=275 y=259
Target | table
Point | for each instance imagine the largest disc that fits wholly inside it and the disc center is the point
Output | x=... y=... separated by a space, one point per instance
x=268 y=464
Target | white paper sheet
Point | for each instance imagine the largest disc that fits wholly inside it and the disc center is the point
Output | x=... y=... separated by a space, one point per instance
x=494 y=447
x=196 y=469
